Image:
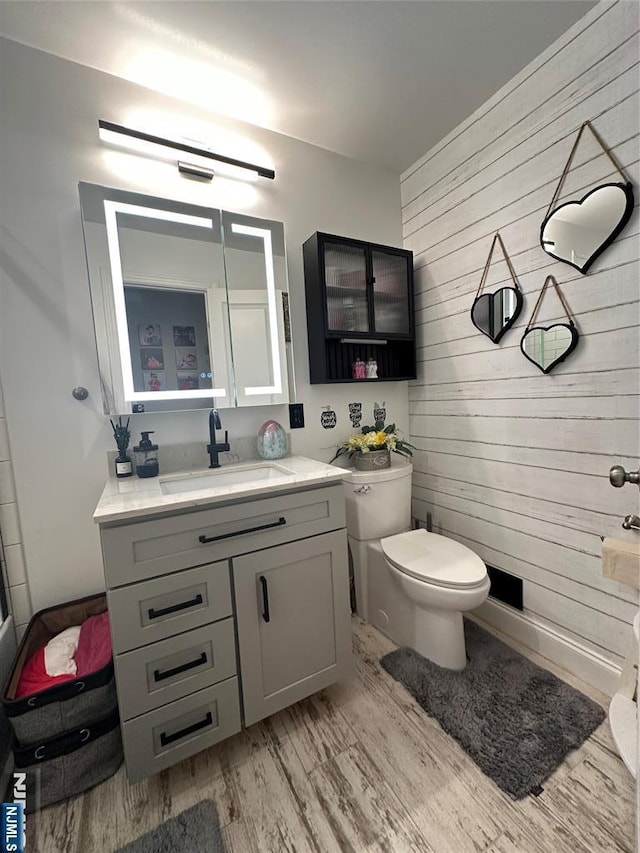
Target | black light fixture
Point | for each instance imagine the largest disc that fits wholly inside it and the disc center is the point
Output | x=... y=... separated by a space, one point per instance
x=110 y=132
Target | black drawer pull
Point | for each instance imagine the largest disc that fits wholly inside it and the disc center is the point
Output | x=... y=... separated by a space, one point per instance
x=155 y=614
x=265 y=599
x=204 y=539
x=166 y=739
x=168 y=673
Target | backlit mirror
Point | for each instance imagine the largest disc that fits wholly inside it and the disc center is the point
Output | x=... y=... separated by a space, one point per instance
x=189 y=304
x=577 y=232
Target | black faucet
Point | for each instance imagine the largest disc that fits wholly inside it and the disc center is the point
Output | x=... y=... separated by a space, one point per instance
x=213 y=448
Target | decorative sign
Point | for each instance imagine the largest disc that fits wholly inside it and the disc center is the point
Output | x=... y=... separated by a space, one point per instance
x=355 y=414
x=328 y=418
x=379 y=412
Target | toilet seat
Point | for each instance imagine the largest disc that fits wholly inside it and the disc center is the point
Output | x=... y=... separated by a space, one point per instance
x=434 y=559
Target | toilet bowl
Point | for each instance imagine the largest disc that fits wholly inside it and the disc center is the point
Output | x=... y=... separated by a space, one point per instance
x=412 y=585
x=442 y=579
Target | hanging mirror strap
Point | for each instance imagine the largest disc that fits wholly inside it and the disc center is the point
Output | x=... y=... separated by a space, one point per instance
x=485 y=272
x=549 y=280
x=565 y=171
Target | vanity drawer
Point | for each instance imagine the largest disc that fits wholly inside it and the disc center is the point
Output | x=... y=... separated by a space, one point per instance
x=155 y=675
x=170 y=734
x=150 y=548
x=145 y=612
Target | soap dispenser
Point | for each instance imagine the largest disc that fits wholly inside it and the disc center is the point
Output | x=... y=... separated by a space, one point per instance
x=146 y=456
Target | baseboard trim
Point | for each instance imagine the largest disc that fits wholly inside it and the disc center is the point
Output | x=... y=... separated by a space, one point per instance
x=582 y=662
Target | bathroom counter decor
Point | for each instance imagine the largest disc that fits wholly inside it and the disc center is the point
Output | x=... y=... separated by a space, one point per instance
x=371 y=447
x=271 y=442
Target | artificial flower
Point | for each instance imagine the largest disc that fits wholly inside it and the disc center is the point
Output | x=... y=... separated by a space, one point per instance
x=377 y=437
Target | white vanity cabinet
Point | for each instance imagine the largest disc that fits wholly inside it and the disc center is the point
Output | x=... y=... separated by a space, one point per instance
x=293 y=636
x=223 y=615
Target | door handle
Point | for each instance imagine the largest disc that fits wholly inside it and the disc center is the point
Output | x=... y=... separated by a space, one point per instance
x=618 y=476
x=166 y=739
x=265 y=599
x=206 y=539
x=174 y=608
x=169 y=673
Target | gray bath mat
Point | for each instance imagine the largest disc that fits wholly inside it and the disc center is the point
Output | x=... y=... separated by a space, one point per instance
x=195 y=830
x=516 y=720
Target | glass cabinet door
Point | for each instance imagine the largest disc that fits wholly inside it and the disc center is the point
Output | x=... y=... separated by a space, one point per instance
x=345 y=272
x=390 y=294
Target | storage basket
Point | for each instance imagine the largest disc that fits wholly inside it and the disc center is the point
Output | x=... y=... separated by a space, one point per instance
x=66 y=765
x=50 y=727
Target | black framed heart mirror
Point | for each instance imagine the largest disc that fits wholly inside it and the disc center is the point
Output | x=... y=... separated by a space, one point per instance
x=578 y=232
x=493 y=314
x=548 y=346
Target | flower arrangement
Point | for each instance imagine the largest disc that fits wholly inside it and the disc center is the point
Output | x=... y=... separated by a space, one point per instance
x=376 y=437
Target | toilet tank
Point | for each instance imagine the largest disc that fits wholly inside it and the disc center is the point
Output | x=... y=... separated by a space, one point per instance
x=385 y=507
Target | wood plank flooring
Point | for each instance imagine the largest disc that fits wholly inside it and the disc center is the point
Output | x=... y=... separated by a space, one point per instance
x=359 y=767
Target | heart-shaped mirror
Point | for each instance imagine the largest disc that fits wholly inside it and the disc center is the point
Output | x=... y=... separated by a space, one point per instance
x=547 y=346
x=494 y=313
x=577 y=232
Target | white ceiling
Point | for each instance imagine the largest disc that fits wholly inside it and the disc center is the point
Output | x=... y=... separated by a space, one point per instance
x=378 y=80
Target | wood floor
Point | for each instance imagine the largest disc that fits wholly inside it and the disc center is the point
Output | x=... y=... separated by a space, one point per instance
x=358 y=767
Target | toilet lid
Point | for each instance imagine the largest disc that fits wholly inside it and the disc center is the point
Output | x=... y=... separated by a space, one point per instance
x=434 y=559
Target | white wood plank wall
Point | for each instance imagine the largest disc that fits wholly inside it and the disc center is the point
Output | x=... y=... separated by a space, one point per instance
x=512 y=462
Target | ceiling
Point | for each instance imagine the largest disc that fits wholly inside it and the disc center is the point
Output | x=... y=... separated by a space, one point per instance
x=378 y=80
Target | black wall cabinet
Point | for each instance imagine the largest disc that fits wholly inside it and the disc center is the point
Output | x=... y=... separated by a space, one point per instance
x=359 y=306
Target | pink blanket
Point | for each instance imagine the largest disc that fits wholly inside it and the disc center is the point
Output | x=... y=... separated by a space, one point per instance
x=93 y=653
x=94 y=645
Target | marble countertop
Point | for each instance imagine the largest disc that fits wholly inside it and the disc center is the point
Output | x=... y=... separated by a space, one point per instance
x=131 y=498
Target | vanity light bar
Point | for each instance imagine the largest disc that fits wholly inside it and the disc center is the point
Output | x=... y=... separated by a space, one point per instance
x=110 y=132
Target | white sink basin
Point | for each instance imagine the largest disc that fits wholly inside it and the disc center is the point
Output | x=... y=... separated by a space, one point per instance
x=233 y=475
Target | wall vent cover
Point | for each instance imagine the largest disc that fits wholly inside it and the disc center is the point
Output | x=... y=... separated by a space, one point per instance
x=505 y=587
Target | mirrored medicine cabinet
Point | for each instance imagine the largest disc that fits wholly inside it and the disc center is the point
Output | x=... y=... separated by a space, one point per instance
x=190 y=304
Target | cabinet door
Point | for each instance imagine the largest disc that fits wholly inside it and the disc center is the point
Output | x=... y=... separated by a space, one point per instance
x=345 y=279
x=293 y=616
x=392 y=282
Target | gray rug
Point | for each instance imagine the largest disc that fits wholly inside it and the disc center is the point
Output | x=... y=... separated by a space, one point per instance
x=516 y=720
x=195 y=830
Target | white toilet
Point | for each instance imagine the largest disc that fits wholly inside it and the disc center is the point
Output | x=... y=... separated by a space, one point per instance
x=412 y=585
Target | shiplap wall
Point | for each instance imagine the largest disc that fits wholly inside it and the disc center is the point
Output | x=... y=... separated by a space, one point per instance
x=511 y=462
